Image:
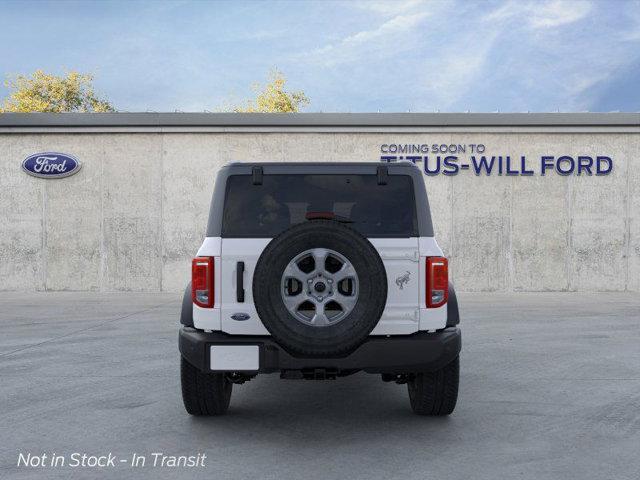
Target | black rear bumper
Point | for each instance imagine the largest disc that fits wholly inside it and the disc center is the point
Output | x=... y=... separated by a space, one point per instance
x=419 y=352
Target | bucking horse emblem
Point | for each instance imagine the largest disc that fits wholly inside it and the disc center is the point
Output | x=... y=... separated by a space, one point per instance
x=403 y=279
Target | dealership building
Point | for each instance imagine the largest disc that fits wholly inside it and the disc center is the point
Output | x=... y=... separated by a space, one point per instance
x=520 y=202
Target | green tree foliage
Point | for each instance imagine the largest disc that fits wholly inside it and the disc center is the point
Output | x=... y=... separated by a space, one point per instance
x=273 y=98
x=43 y=92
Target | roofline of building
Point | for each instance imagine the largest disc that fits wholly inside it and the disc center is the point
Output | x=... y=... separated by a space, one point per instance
x=320 y=120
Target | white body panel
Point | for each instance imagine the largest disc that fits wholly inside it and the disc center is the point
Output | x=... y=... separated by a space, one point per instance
x=235 y=250
x=403 y=258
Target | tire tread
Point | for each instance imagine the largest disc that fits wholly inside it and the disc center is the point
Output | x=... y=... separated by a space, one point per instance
x=435 y=393
x=204 y=394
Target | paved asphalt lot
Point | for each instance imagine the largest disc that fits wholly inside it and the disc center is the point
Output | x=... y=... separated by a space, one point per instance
x=550 y=389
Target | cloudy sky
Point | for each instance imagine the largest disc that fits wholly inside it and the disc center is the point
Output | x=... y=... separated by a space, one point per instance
x=348 y=56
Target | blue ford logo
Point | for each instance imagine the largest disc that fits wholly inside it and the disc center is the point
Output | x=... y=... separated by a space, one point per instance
x=240 y=317
x=51 y=165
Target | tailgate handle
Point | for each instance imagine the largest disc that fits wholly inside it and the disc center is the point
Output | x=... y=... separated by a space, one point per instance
x=240 y=281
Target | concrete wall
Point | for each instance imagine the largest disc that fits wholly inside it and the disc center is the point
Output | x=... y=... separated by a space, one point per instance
x=135 y=214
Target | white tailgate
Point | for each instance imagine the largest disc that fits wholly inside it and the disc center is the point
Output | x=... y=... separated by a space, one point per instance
x=235 y=250
x=401 y=259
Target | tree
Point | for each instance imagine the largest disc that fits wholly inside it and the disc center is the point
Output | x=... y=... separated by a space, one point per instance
x=273 y=98
x=43 y=92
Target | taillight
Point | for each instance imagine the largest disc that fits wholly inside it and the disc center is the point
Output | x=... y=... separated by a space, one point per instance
x=202 y=281
x=437 y=281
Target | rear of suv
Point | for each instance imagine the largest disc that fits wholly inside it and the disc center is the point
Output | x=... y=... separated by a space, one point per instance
x=318 y=271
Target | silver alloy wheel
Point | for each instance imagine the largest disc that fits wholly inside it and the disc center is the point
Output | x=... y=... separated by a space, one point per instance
x=319 y=287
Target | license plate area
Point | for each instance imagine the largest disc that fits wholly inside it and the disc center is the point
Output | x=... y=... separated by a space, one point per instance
x=234 y=358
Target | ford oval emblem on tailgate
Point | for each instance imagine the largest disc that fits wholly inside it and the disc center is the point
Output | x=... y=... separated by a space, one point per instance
x=241 y=317
x=50 y=165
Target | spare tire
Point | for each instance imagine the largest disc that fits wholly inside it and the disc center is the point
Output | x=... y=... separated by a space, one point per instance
x=320 y=288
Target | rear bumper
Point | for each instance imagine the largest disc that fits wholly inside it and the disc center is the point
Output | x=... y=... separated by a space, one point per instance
x=419 y=352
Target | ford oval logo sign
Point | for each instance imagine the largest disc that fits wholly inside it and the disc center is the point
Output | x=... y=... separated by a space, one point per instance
x=240 y=317
x=51 y=165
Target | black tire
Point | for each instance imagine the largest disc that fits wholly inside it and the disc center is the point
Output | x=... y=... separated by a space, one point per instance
x=435 y=393
x=204 y=393
x=332 y=340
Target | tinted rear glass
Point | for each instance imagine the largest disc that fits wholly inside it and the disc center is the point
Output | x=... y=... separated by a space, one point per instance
x=284 y=200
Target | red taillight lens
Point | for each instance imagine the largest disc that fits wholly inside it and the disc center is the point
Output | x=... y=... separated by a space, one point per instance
x=437 y=281
x=202 y=281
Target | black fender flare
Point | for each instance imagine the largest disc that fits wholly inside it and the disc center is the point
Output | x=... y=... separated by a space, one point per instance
x=186 y=314
x=453 y=314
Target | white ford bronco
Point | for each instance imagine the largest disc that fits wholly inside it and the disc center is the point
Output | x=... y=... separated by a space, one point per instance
x=318 y=271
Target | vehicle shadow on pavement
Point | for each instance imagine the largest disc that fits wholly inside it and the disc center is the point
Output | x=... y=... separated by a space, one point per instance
x=316 y=412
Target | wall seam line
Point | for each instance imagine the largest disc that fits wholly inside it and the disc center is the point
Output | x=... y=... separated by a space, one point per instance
x=628 y=228
x=510 y=280
x=569 y=256
x=45 y=256
x=101 y=282
x=161 y=233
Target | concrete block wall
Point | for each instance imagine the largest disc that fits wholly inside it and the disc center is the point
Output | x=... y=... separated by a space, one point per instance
x=135 y=214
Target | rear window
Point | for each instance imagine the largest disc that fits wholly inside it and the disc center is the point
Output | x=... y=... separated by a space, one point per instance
x=283 y=200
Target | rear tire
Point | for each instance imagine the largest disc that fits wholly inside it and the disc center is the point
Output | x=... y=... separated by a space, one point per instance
x=435 y=393
x=203 y=393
